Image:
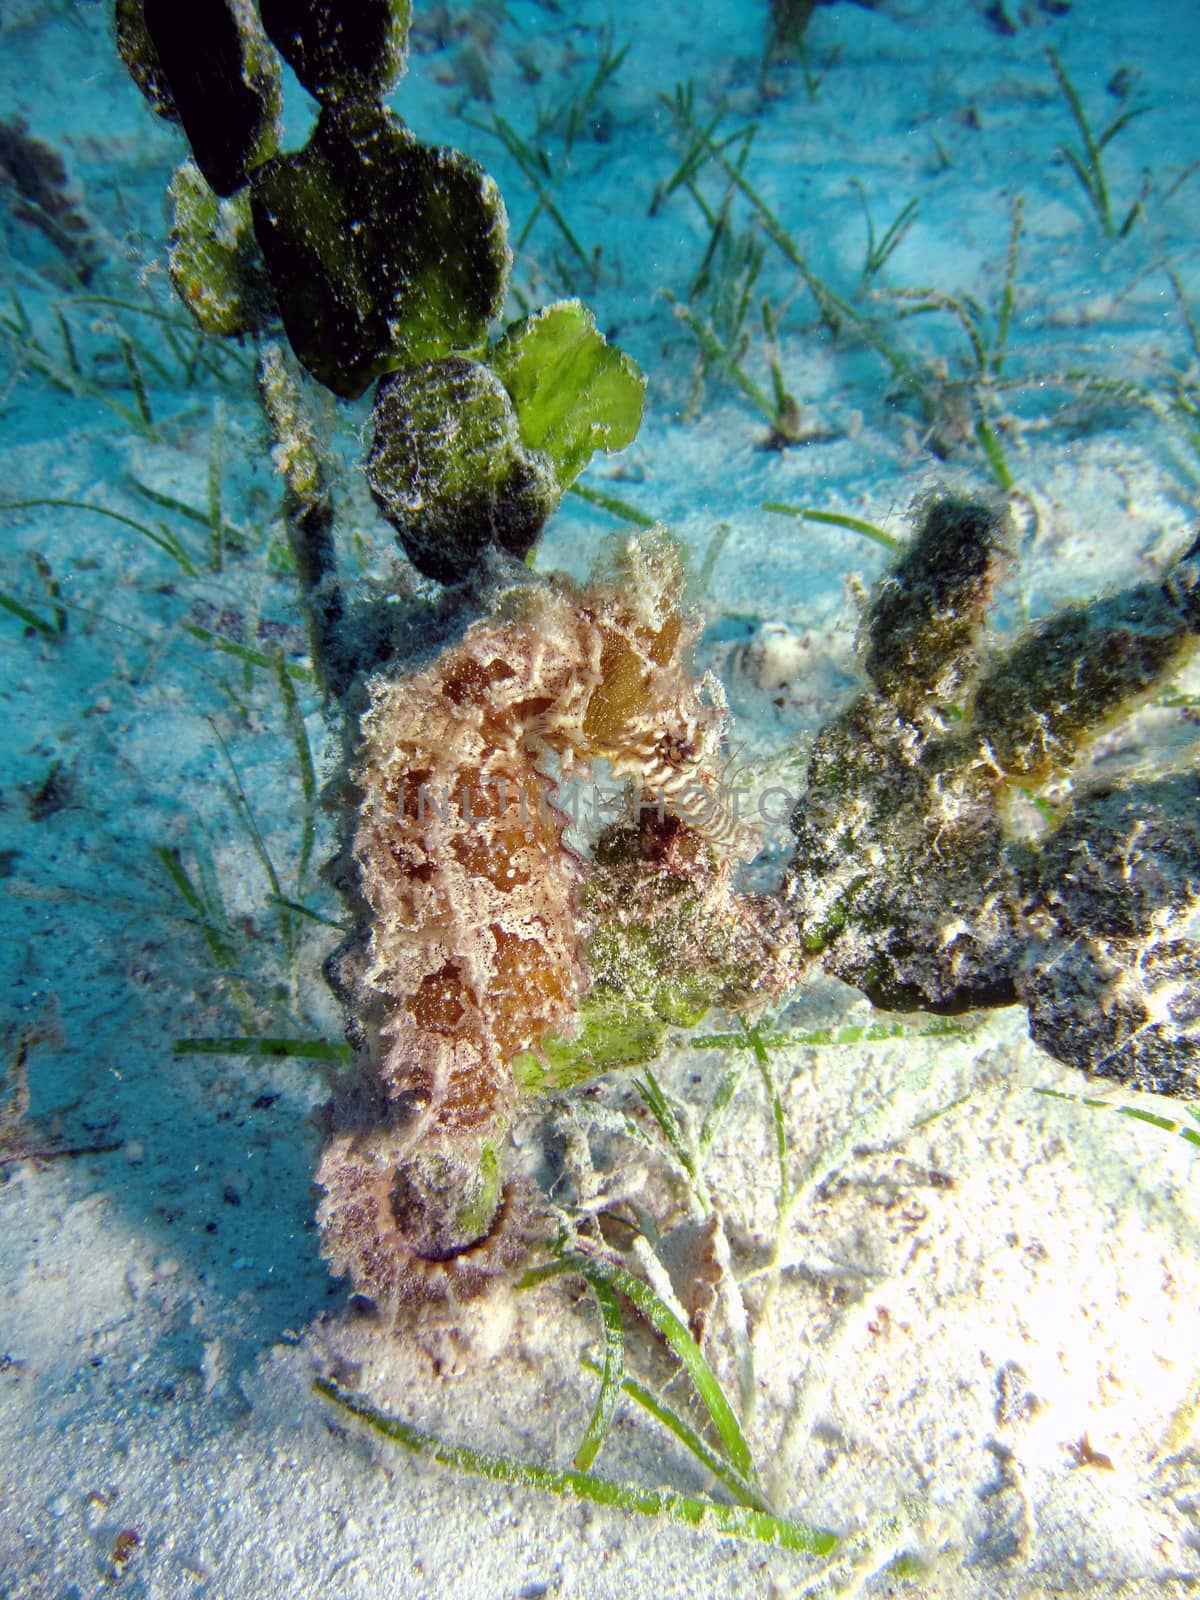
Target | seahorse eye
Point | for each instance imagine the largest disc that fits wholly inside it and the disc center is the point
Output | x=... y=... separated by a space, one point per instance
x=676 y=750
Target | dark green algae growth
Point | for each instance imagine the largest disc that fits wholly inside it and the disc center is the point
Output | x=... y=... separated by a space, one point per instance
x=908 y=880
x=382 y=258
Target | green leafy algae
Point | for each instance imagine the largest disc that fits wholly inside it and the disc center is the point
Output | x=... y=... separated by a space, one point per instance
x=383 y=251
x=341 y=51
x=450 y=491
x=223 y=80
x=574 y=393
x=215 y=263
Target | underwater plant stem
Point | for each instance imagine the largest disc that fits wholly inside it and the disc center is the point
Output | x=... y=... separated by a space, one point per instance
x=29 y=617
x=310 y=525
x=739 y=1522
x=835 y=519
x=294 y=719
x=292 y=1049
x=787 y=1191
x=767 y=1072
x=526 y=159
x=936 y=1027
x=833 y=308
x=1008 y=298
x=651 y=1306
x=166 y=541
x=1155 y=1119
x=880 y=249
x=713 y=350
x=611 y=504
x=993 y=451
x=610 y=1378
x=744 y=1493
x=1091 y=174
x=1089 y=168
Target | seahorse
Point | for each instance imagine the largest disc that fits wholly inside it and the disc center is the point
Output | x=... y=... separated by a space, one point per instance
x=475 y=950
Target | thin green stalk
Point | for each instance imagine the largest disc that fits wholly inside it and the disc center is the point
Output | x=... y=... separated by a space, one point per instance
x=302 y=910
x=739 y=1522
x=129 y=305
x=1089 y=168
x=294 y=721
x=1185 y=310
x=716 y=546
x=51 y=586
x=76 y=383
x=754 y=254
x=723 y=1094
x=744 y=1493
x=598 y=1270
x=211 y=518
x=813 y=77
x=212 y=357
x=69 y=349
x=714 y=351
x=30 y=618
x=915 y=302
x=1089 y=171
x=216 y=524
x=22 y=327
x=610 y=1378
x=836 y=519
x=208 y=907
x=610 y=503
x=943 y=1111
x=833 y=308
x=663 y=1113
x=144 y=354
x=993 y=450
x=852 y=1033
x=572 y=114
x=257 y=843
x=293 y=1049
x=767 y=1073
x=1009 y=296
x=253 y=658
x=880 y=249
x=163 y=539
x=718 y=235
x=702 y=146
x=785 y=409
x=528 y=163
x=169 y=502
x=1154 y=1118
x=136 y=381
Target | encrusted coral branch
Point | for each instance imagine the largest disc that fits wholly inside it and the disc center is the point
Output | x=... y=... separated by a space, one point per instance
x=907 y=878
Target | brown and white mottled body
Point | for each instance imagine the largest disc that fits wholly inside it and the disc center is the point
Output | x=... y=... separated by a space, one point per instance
x=475 y=951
